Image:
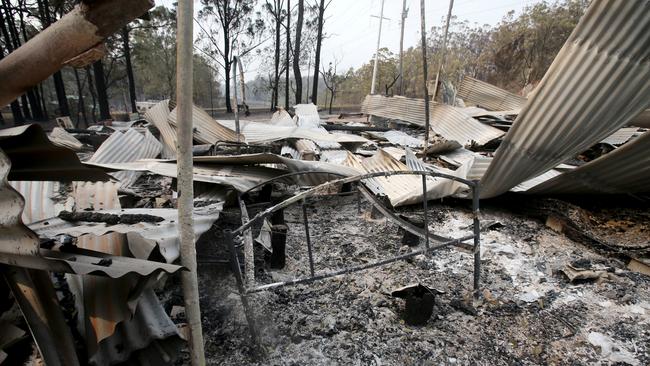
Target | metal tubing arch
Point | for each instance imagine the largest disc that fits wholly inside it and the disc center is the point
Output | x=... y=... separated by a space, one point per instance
x=308 y=193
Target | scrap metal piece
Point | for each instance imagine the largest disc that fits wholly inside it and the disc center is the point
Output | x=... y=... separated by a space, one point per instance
x=34 y=157
x=597 y=83
x=87 y=57
x=61 y=137
x=480 y=93
x=158 y=115
x=624 y=170
x=126 y=147
x=206 y=129
x=447 y=121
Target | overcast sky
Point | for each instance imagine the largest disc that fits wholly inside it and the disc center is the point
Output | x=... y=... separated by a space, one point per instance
x=353 y=32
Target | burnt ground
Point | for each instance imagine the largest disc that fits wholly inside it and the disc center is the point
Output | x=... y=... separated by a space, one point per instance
x=529 y=312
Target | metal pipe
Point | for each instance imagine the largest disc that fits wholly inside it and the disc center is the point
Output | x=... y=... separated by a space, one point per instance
x=477 y=237
x=309 y=250
x=358 y=268
x=424 y=206
x=236 y=269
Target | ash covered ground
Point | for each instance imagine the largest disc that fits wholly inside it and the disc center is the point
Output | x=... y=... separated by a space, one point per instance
x=529 y=312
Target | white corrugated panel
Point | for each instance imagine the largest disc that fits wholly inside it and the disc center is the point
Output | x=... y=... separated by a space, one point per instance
x=482 y=94
x=206 y=129
x=597 y=83
x=158 y=116
x=126 y=147
x=447 y=121
x=621 y=136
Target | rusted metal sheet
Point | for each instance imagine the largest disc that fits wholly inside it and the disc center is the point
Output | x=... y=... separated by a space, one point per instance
x=597 y=83
x=34 y=157
x=447 y=121
x=125 y=147
x=624 y=170
x=158 y=115
x=206 y=129
x=61 y=137
x=482 y=94
x=148 y=338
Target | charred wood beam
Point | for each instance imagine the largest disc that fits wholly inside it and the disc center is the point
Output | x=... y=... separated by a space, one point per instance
x=81 y=29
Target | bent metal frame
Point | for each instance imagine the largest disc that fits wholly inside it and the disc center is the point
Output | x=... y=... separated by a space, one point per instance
x=441 y=242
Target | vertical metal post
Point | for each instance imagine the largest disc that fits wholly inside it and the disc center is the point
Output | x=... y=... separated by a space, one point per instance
x=309 y=251
x=234 y=262
x=358 y=200
x=184 y=60
x=424 y=204
x=423 y=30
x=477 y=237
x=234 y=80
x=374 y=69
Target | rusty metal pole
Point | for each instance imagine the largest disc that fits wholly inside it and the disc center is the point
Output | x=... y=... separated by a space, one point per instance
x=184 y=59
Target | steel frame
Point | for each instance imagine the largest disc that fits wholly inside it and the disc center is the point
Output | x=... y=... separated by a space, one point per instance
x=440 y=242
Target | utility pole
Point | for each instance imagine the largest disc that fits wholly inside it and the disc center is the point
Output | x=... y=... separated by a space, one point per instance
x=374 y=69
x=444 y=49
x=423 y=31
x=401 y=49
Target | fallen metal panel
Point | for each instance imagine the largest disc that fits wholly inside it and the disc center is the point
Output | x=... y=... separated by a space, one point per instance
x=399 y=138
x=43 y=199
x=124 y=147
x=641 y=120
x=307 y=115
x=597 y=83
x=447 y=121
x=63 y=138
x=241 y=178
x=158 y=115
x=34 y=157
x=282 y=118
x=531 y=183
x=206 y=129
x=257 y=133
x=143 y=237
x=624 y=170
x=148 y=338
x=482 y=94
x=622 y=136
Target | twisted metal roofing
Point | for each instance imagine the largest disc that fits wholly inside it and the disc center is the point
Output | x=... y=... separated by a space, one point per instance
x=485 y=95
x=597 y=83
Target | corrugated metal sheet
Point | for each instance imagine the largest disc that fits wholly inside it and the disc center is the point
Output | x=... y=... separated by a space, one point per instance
x=482 y=94
x=641 y=120
x=529 y=184
x=597 y=83
x=307 y=115
x=34 y=157
x=624 y=170
x=144 y=338
x=63 y=138
x=125 y=147
x=206 y=129
x=622 y=136
x=143 y=237
x=447 y=121
x=43 y=199
x=307 y=149
x=256 y=133
x=282 y=118
x=158 y=116
x=399 y=138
